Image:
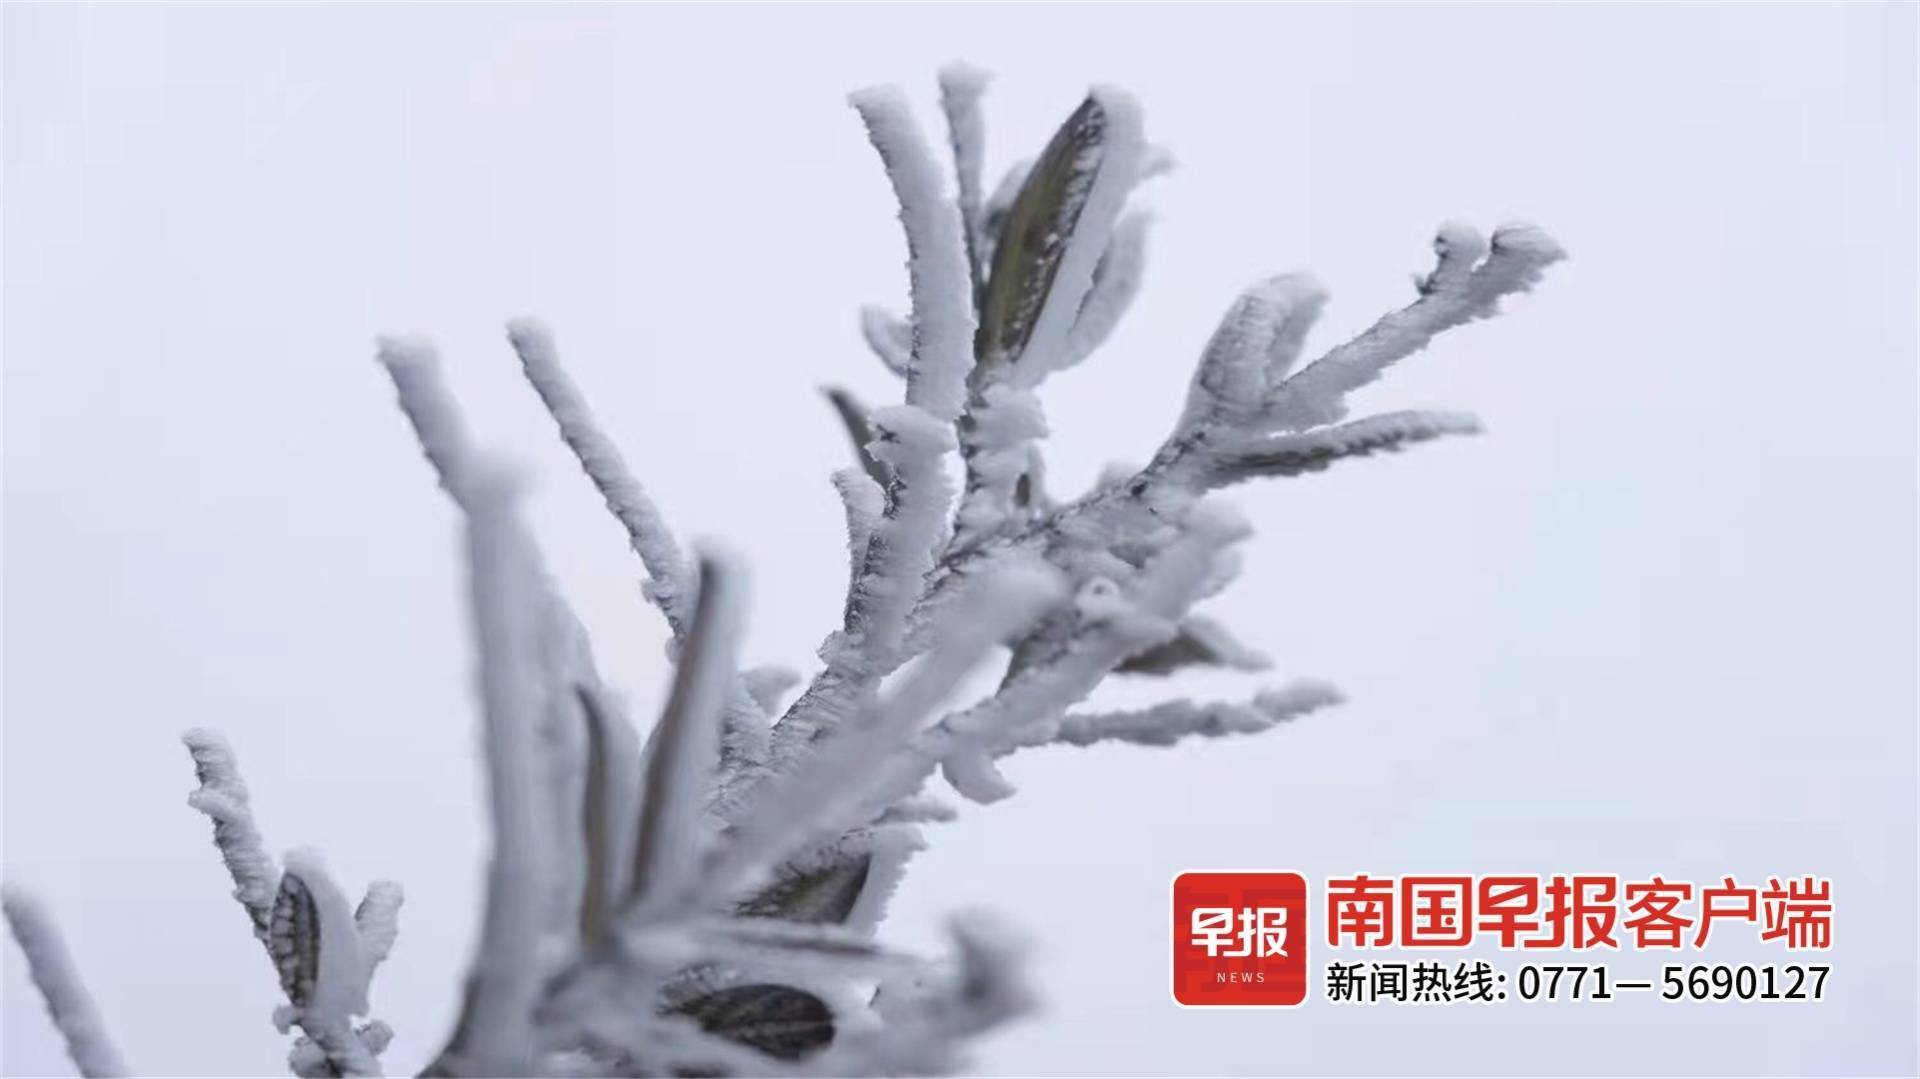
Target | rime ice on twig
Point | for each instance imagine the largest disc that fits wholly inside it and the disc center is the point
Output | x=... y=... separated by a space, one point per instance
x=707 y=905
x=223 y=798
x=1166 y=724
x=66 y=997
x=936 y=256
x=647 y=530
x=301 y=919
x=377 y=919
x=495 y=1034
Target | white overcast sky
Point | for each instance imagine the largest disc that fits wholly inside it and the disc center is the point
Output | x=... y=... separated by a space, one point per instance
x=1660 y=618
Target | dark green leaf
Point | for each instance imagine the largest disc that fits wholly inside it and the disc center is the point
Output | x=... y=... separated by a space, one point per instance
x=778 y=1020
x=821 y=896
x=293 y=939
x=1035 y=235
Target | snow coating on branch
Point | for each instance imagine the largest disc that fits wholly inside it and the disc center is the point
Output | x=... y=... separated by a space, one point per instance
x=1258 y=339
x=68 y=1003
x=706 y=904
x=223 y=798
x=1456 y=292
x=961 y=87
x=1115 y=622
x=1168 y=723
x=600 y=458
x=377 y=920
x=414 y=367
x=853 y=772
x=938 y=277
x=495 y=1035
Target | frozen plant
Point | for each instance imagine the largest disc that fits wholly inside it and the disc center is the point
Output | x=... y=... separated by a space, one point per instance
x=706 y=903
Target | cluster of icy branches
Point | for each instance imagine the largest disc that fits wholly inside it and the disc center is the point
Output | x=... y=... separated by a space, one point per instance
x=705 y=902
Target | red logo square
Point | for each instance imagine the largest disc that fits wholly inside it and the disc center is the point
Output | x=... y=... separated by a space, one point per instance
x=1240 y=939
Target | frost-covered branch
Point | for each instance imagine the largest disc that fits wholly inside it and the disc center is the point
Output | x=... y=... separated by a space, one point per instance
x=1168 y=723
x=324 y=954
x=707 y=903
x=68 y=1002
x=937 y=275
x=911 y=441
x=495 y=1031
x=855 y=772
x=671 y=586
x=1463 y=287
x=222 y=796
x=961 y=87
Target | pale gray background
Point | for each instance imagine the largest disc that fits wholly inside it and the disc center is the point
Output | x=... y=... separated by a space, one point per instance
x=1659 y=619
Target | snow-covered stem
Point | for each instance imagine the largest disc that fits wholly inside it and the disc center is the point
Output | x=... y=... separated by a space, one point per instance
x=222 y=796
x=68 y=1002
x=495 y=1032
x=1168 y=723
x=961 y=87
x=912 y=440
x=427 y=403
x=377 y=919
x=1462 y=287
x=1112 y=623
x=347 y=946
x=600 y=458
x=850 y=775
x=937 y=275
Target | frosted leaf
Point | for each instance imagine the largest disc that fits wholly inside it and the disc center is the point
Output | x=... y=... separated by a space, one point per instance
x=1055 y=231
x=821 y=893
x=1201 y=642
x=317 y=949
x=1311 y=451
x=293 y=939
x=778 y=1020
x=766 y=684
x=889 y=337
x=1116 y=281
x=683 y=752
x=853 y=416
